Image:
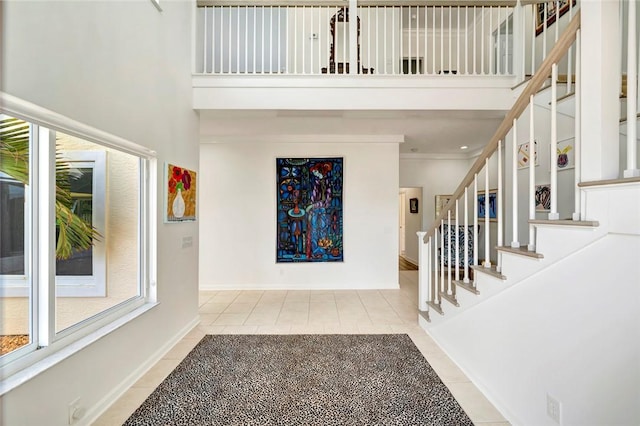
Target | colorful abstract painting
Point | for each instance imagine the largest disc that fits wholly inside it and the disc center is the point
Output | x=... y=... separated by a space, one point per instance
x=565 y=155
x=309 y=210
x=181 y=194
x=493 y=204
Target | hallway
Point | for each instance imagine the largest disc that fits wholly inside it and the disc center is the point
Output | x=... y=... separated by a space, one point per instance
x=312 y=312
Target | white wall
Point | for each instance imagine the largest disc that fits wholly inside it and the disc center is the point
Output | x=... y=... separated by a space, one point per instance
x=122 y=67
x=435 y=176
x=553 y=334
x=238 y=221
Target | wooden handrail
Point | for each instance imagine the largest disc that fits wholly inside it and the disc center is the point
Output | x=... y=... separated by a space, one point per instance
x=558 y=51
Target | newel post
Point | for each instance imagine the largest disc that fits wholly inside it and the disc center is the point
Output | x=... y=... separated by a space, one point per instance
x=424 y=275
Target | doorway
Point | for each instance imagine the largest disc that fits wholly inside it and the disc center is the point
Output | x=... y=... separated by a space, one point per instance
x=410 y=209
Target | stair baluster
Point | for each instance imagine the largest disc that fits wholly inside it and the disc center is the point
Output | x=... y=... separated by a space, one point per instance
x=532 y=152
x=632 y=93
x=466 y=236
x=487 y=233
x=499 y=207
x=578 y=211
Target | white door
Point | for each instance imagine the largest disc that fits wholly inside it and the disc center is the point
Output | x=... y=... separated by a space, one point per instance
x=402 y=201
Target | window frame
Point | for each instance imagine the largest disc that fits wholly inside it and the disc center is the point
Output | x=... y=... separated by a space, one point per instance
x=93 y=285
x=47 y=347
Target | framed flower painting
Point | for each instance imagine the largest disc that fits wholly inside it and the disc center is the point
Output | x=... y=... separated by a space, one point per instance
x=181 y=187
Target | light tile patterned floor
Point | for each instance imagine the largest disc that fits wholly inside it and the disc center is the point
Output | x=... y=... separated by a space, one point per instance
x=312 y=312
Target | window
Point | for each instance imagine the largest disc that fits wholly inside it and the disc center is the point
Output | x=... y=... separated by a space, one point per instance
x=83 y=273
x=75 y=227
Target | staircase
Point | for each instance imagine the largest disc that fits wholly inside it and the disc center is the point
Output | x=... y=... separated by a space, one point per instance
x=555 y=293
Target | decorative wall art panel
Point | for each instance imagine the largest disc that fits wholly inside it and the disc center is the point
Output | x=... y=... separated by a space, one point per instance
x=523 y=155
x=550 y=11
x=309 y=209
x=565 y=155
x=493 y=204
x=181 y=194
x=441 y=203
x=543 y=198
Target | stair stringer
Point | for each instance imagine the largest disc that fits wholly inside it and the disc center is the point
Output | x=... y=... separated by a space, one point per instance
x=563 y=240
x=565 y=331
x=554 y=242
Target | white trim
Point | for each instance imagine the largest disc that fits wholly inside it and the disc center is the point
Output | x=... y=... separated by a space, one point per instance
x=35 y=114
x=39 y=361
x=341 y=81
x=343 y=138
x=443 y=156
x=97 y=410
x=25 y=363
x=94 y=285
x=75 y=286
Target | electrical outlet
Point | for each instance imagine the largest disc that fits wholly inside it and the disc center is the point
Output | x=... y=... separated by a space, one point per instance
x=553 y=408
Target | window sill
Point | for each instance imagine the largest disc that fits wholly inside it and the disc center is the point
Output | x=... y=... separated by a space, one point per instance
x=22 y=376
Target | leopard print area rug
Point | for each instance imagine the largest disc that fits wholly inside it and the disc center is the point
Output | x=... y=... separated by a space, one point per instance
x=302 y=380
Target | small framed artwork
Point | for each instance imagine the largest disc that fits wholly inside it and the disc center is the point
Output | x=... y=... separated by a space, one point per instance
x=523 y=155
x=543 y=197
x=492 y=208
x=441 y=203
x=413 y=205
x=181 y=194
x=550 y=10
x=565 y=155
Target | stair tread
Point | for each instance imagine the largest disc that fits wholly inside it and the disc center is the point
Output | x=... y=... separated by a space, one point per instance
x=467 y=286
x=566 y=222
x=425 y=315
x=609 y=182
x=624 y=119
x=436 y=307
x=491 y=271
x=522 y=250
x=449 y=298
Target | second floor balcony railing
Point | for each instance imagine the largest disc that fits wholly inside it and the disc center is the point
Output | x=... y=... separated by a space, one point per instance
x=259 y=38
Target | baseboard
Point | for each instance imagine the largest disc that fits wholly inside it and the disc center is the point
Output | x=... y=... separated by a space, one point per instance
x=101 y=407
x=301 y=286
x=497 y=403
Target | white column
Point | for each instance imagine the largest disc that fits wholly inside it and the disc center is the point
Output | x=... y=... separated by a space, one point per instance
x=632 y=94
x=600 y=101
x=424 y=273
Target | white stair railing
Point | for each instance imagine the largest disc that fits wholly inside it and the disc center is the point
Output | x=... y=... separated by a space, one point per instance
x=490 y=162
x=632 y=92
x=288 y=38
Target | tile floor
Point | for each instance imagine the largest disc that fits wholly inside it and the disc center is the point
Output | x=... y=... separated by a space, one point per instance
x=311 y=312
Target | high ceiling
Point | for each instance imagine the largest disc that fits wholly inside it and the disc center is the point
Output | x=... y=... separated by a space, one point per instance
x=425 y=132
